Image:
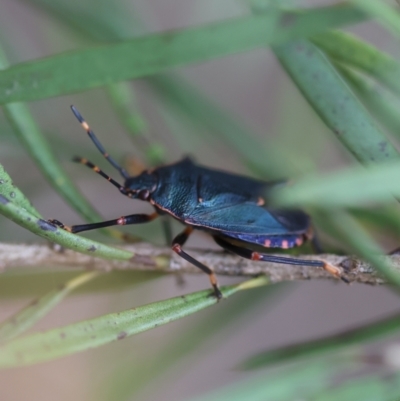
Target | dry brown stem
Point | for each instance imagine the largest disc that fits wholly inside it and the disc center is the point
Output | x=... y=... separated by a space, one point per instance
x=39 y=255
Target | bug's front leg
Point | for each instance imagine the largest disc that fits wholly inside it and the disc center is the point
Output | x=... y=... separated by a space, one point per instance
x=177 y=244
x=122 y=221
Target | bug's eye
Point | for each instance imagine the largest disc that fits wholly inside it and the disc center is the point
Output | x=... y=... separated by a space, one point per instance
x=143 y=195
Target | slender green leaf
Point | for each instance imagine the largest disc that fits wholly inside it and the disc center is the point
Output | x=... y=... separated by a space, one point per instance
x=27 y=317
x=108 y=22
x=387 y=218
x=380 y=102
x=33 y=140
x=89 y=68
x=351 y=51
x=175 y=91
x=40 y=347
x=334 y=102
x=130 y=378
x=123 y=101
x=353 y=186
x=338 y=342
x=374 y=387
x=52 y=233
x=203 y=112
x=295 y=383
x=8 y=189
x=39 y=149
x=388 y=15
x=28 y=282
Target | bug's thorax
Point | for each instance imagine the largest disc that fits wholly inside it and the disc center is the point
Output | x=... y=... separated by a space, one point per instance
x=142 y=185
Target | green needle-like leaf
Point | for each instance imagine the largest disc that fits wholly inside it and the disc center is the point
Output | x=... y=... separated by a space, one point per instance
x=89 y=68
x=353 y=52
x=30 y=136
x=334 y=102
x=381 y=103
x=388 y=15
x=357 y=337
x=175 y=91
x=122 y=98
x=40 y=347
x=376 y=387
x=8 y=189
x=52 y=233
x=383 y=217
x=203 y=112
x=27 y=317
x=353 y=186
x=295 y=383
x=39 y=149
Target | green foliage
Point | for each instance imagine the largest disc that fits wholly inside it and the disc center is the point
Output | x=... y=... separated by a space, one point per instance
x=350 y=85
x=89 y=68
x=92 y=333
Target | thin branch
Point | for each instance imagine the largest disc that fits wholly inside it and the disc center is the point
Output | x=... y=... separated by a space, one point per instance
x=38 y=255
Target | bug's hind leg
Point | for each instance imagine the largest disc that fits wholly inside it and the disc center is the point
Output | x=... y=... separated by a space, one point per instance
x=249 y=254
x=177 y=244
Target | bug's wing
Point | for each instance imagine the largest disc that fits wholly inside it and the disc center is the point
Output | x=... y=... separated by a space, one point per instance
x=218 y=187
x=248 y=218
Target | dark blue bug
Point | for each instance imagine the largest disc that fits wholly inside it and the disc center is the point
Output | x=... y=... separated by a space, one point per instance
x=229 y=207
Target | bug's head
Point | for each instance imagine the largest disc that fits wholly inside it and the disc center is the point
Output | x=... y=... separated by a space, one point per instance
x=142 y=185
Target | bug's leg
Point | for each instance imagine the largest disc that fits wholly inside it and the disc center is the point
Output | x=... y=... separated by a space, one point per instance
x=316 y=244
x=98 y=144
x=97 y=170
x=177 y=244
x=122 y=221
x=166 y=225
x=249 y=254
x=312 y=236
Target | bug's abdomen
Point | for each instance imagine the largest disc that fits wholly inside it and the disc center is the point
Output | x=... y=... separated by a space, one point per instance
x=270 y=241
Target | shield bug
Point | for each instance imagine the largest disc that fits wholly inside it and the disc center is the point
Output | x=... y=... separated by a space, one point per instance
x=229 y=207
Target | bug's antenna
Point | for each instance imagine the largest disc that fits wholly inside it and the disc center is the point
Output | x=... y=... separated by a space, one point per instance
x=97 y=170
x=99 y=146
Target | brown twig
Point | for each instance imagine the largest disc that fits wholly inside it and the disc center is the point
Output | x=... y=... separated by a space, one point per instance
x=35 y=255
